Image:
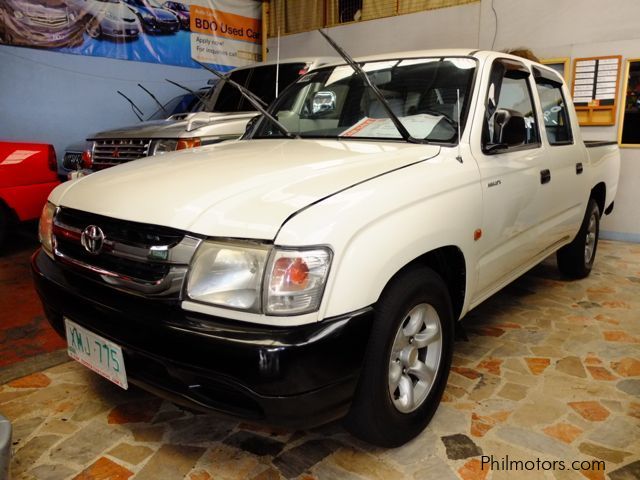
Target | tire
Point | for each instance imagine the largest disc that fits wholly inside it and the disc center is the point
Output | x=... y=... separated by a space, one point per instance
x=382 y=413
x=93 y=29
x=4 y=222
x=575 y=260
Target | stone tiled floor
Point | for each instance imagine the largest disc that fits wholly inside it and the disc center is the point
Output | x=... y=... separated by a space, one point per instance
x=550 y=372
x=24 y=331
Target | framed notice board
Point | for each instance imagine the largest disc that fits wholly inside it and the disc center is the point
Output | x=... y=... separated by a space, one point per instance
x=629 y=127
x=595 y=89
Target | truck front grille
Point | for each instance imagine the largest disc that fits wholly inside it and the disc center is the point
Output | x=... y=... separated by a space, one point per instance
x=111 y=152
x=139 y=258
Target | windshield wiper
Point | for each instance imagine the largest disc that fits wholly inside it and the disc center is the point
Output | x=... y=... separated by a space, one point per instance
x=154 y=98
x=383 y=101
x=253 y=99
x=134 y=107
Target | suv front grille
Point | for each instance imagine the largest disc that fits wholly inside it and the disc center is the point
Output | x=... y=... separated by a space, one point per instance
x=135 y=257
x=111 y=152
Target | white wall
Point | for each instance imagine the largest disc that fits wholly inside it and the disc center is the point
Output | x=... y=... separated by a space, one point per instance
x=551 y=28
x=61 y=98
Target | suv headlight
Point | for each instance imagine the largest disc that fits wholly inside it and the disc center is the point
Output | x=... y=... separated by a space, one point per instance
x=45 y=228
x=158 y=147
x=259 y=278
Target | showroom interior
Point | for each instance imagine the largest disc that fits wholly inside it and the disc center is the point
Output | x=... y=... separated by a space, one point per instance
x=544 y=375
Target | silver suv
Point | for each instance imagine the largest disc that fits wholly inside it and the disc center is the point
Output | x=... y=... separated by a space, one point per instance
x=223 y=114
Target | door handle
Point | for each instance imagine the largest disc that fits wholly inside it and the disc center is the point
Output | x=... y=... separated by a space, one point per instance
x=545 y=176
x=579 y=168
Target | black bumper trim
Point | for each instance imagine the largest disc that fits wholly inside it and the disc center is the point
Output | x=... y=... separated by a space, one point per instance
x=293 y=376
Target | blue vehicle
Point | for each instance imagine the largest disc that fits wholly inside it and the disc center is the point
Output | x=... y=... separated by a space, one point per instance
x=153 y=17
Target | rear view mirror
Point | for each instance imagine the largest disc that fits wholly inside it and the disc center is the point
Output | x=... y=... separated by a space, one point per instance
x=323 y=102
x=251 y=123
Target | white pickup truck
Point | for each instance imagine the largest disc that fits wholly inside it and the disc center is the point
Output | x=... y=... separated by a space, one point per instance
x=316 y=268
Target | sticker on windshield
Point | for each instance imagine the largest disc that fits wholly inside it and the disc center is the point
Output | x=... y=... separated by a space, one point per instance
x=419 y=126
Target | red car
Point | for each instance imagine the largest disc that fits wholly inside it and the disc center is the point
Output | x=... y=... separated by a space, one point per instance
x=28 y=173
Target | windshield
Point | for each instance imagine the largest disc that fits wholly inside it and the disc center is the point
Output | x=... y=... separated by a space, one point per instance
x=179 y=104
x=335 y=102
x=179 y=7
x=260 y=80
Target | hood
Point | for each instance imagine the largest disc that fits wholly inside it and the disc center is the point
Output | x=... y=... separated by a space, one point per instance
x=181 y=125
x=241 y=189
x=162 y=14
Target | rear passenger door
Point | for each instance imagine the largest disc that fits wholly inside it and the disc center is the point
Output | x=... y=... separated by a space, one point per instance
x=513 y=169
x=566 y=162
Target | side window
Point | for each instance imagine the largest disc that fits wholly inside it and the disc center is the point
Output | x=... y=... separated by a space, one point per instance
x=510 y=119
x=556 y=117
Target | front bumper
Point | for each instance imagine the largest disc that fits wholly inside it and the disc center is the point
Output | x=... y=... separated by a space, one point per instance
x=294 y=376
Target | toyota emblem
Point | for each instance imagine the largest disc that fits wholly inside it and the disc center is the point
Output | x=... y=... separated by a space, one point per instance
x=92 y=239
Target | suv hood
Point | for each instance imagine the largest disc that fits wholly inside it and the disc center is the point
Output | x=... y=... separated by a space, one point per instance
x=181 y=125
x=240 y=189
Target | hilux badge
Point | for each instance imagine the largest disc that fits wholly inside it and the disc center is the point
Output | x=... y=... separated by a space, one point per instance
x=92 y=239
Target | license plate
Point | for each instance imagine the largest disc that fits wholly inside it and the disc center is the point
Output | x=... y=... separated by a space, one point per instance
x=97 y=353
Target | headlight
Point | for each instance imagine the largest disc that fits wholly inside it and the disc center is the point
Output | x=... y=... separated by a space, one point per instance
x=158 y=147
x=228 y=275
x=259 y=278
x=45 y=228
x=296 y=280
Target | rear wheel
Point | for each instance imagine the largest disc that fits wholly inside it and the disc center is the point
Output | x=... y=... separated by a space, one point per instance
x=576 y=259
x=407 y=362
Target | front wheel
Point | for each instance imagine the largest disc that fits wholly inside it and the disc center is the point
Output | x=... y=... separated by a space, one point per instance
x=407 y=361
x=575 y=260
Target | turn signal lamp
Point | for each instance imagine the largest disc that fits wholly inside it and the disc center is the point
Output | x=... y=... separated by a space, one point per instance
x=292 y=274
x=87 y=159
x=185 y=143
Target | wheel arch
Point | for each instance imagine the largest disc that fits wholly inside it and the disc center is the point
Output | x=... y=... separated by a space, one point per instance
x=599 y=194
x=449 y=263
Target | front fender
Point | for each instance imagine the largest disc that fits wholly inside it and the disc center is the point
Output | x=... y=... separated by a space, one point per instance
x=378 y=227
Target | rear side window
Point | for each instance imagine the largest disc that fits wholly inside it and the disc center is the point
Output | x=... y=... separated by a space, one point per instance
x=556 y=117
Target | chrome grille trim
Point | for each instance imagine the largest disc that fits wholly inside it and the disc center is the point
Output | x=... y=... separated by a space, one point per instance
x=174 y=258
x=59 y=20
x=114 y=151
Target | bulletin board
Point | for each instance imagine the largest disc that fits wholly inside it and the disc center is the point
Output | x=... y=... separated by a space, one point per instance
x=595 y=89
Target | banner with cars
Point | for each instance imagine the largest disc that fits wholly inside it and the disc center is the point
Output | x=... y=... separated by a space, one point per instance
x=224 y=33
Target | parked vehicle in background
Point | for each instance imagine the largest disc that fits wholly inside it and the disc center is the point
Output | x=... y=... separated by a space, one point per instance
x=109 y=18
x=181 y=11
x=316 y=268
x=223 y=115
x=40 y=23
x=153 y=17
x=27 y=176
x=77 y=156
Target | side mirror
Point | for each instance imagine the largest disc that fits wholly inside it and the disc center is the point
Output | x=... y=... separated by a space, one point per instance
x=323 y=102
x=251 y=124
